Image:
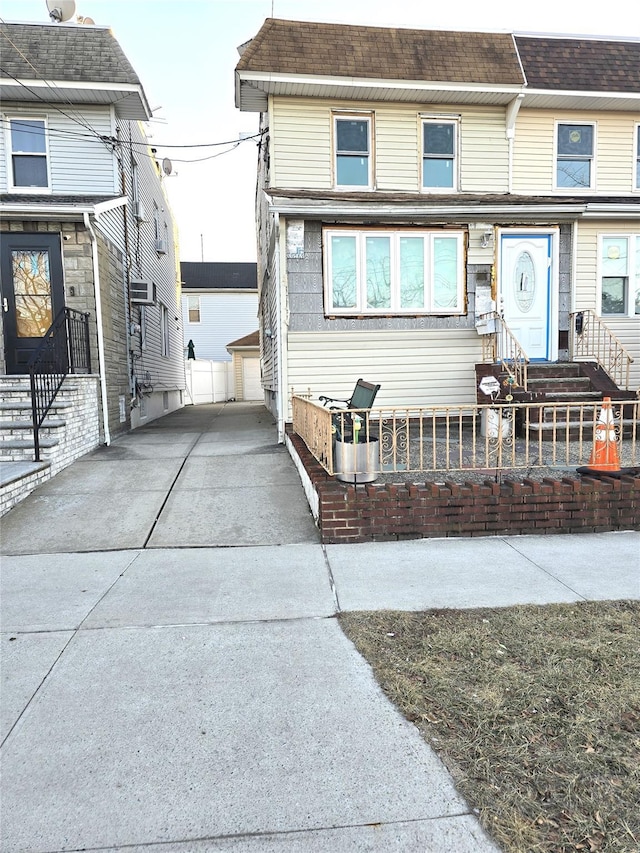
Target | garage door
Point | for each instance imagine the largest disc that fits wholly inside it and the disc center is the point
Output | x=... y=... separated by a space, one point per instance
x=251 y=379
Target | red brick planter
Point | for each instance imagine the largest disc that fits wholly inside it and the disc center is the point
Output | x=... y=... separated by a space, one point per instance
x=378 y=512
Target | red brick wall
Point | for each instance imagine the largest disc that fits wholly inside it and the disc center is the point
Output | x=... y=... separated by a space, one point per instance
x=378 y=512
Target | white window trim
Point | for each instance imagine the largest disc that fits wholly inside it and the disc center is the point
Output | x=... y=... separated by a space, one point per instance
x=632 y=239
x=165 y=343
x=338 y=115
x=635 y=178
x=435 y=119
x=189 y=320
x=20 y=189
x=592 y=160
x=396 y=234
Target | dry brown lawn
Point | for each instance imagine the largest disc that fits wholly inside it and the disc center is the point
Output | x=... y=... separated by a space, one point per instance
x=534 y=710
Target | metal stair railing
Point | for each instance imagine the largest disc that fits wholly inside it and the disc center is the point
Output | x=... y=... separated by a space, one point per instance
x=593 y=340
x=64 y=349
x=501 y=345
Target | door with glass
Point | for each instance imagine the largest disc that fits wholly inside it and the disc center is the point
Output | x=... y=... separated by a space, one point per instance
x=526 y=291
x=32 y=293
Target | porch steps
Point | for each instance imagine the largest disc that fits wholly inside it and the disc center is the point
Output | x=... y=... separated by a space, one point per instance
x=19 y=473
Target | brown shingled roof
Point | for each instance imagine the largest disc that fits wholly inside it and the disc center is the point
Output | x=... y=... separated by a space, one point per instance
x=591 y=65
x=339 y=50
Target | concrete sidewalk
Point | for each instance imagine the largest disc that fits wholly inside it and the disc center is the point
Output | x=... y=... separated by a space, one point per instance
x=160 y=691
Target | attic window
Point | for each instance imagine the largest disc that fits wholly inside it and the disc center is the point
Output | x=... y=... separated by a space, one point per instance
x=29 y=167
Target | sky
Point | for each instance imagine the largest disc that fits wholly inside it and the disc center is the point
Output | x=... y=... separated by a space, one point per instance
x=185 y=53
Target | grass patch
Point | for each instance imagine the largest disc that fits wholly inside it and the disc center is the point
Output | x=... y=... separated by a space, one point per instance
x=534 y=710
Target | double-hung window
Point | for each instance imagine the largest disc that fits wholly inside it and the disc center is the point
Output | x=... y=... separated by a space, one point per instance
x=352 y=142
x=29 y=166
x=637 y=164
x=620 y=275
x=375 y=271
x=193 y=309
x=439 y=162
x=574 y=156
x=164 y=330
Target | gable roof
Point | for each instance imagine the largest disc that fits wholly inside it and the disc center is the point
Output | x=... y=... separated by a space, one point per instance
x=250 y=341
x=211 y=275
x=300 y=47
x=45 y=62
x=298 y=58
x=590 y=65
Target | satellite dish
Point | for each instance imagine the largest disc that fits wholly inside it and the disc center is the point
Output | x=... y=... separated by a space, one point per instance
x=82 y=20
x=61 y=10
x=167 y=166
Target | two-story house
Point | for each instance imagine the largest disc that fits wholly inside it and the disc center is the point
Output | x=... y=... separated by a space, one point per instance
x=412 y=182
x=86 y=225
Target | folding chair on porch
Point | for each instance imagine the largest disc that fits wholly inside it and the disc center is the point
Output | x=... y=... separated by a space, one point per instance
x=361 y=399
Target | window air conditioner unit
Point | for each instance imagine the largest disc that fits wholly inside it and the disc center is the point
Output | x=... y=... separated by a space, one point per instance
x=142 y=292
x=161 y=246
x=138 y=211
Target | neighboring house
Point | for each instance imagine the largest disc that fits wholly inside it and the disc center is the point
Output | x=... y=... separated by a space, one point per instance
x=85 y=220
x=410 y=181
x=219 y=304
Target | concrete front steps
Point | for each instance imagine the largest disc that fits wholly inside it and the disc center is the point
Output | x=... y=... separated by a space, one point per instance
x=70 y=429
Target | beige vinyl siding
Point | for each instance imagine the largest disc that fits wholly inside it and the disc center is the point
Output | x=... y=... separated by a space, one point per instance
x=484 y=152
x=533 y=152
x=534 y=147
x=302 y=155
x=397 y=161
x=627 y=330
x=301 y=144
x=414 y=368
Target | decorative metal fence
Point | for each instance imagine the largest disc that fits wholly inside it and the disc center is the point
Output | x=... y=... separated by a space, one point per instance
x=468 y=438
x=64 y=349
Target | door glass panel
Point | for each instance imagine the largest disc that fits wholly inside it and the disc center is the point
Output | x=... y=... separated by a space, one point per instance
x=524 y=282
x=32 y=288
x=378 y=272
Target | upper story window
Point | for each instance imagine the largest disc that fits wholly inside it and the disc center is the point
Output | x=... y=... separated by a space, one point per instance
x=637 y=170
x=372 y=271
x=193 y=309
x=29 y=166
x=439 y=147
x=164 y=330
x=574 y=156
x=352 y=139
x=620 y=275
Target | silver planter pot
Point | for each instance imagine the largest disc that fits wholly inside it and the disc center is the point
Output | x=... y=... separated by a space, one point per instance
x=356 y=463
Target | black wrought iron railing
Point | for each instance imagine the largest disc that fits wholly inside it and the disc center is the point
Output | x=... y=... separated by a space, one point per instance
x=64 y=349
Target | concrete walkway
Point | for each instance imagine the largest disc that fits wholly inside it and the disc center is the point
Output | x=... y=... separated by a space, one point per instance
x=162 y=690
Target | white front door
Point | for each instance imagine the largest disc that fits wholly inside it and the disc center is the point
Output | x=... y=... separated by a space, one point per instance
x=526 y=292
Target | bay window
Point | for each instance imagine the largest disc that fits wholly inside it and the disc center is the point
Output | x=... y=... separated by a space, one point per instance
x=380 y=271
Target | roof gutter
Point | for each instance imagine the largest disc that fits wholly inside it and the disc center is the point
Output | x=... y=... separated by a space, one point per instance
x=448 y=211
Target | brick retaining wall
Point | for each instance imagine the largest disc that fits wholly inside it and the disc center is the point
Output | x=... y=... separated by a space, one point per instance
x=379 y=512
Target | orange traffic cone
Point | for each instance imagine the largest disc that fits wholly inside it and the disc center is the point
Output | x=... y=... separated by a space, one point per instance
x=604 y=456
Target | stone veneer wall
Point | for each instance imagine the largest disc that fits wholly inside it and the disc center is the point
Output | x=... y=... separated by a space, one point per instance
x=382 y=512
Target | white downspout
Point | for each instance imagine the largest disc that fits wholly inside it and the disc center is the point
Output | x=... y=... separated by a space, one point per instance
x=280 y=393
x=101 y=358
x=510 y=131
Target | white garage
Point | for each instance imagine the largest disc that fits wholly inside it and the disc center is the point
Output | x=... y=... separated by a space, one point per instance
x=245 y=354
